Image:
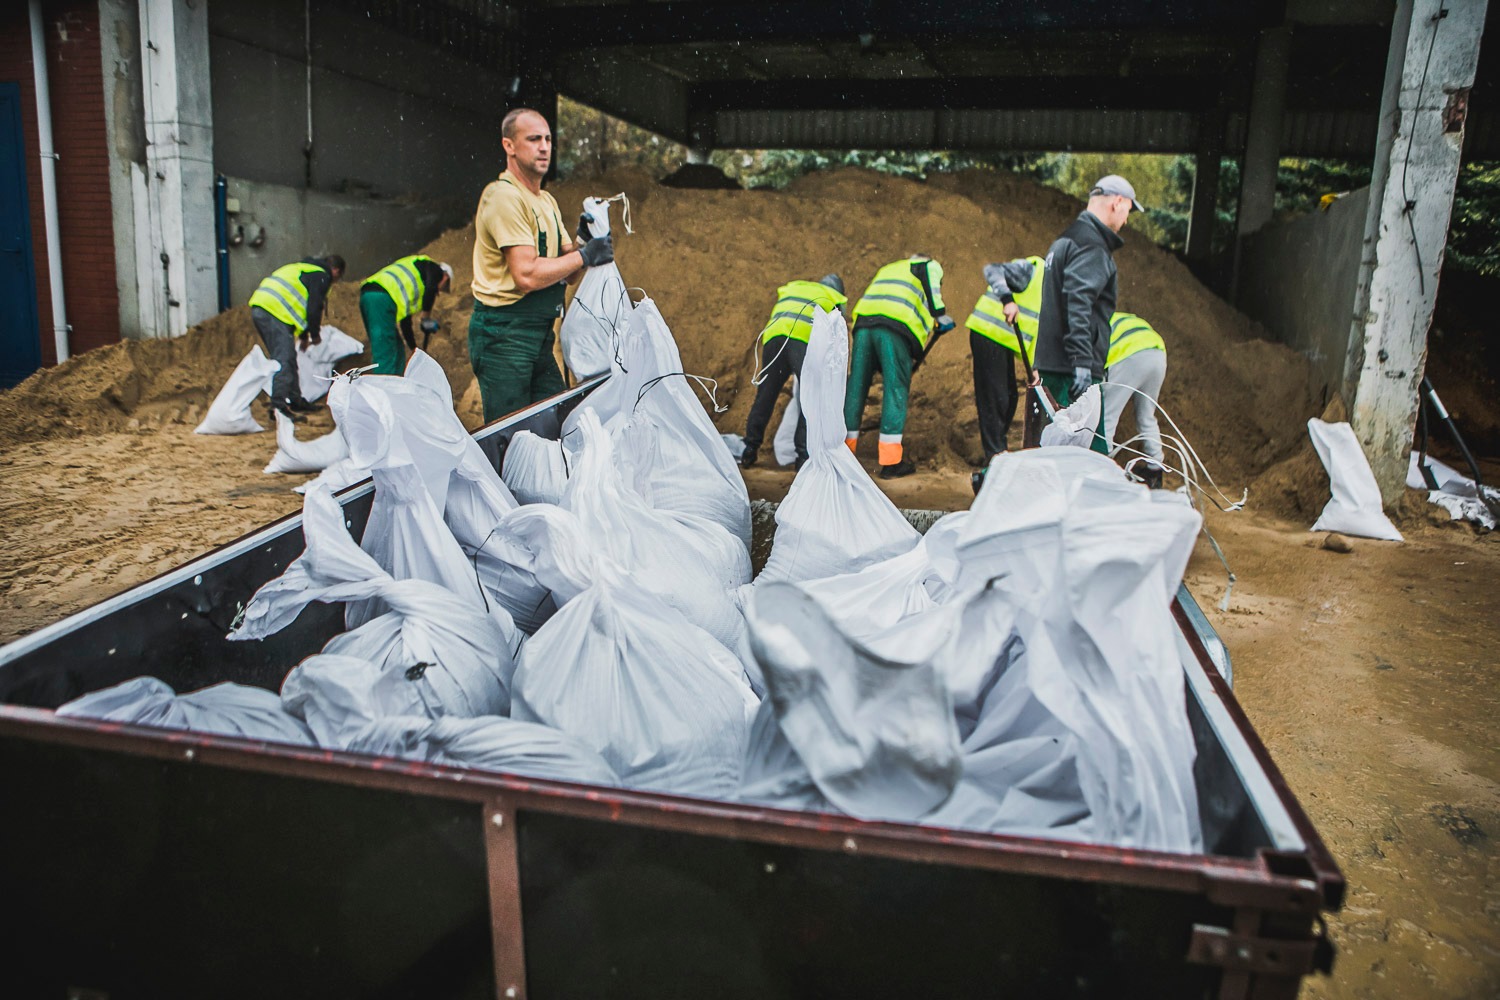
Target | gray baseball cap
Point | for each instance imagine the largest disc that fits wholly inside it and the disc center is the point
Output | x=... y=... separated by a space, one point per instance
x=1115 y=184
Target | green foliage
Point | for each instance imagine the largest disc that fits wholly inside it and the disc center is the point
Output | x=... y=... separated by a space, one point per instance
x=592 y=142
x=776 y=168
x=1474 y=234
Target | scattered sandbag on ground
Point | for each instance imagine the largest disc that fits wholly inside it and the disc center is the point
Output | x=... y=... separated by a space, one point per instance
x=1355 y=507
x=315 y=365
x=229 y=413
x=294 y=456
x=834 y=518
x=224 y=709
x=488 y=743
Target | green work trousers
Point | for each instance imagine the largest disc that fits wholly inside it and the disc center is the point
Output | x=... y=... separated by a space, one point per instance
x=878 y=346
x=386 y=349
x=510 y=348
x=1061 y=387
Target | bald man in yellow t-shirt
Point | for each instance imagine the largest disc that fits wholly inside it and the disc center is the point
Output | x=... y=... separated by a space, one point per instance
x=523 y=258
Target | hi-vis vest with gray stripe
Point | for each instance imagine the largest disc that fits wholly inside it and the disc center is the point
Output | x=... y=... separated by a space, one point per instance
x=796 y=302
x=988 y=317
x=1128 y=333
x=284 y=296
x=896 y=294
x=403 y=283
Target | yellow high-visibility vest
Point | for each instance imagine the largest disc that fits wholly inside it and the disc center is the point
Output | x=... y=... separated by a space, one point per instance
x=895 y=293
x=796 y=303
x=988 y=317
x=284 y=296
x=403 y=283
x=1128 y=333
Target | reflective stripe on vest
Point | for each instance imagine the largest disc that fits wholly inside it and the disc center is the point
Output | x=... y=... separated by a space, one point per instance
x=897 y=294
x=1129 y=334
x=284 y=296
x=796 y=304
x=988 y=318
x=403 y=283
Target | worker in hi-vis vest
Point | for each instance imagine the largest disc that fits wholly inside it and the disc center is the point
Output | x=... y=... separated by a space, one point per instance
x=783 y=346
x=287 y=310
x=1135 y=370
x=896 y=323
x=1002 y=323
x=390 y=297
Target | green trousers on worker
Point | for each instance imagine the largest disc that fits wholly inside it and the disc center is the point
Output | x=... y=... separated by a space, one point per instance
x=510 y=348
x=1061 y=387
x=890 y=352
x=386 y=349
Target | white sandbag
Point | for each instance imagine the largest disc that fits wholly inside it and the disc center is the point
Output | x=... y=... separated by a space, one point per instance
x=488 y=743
x=229 y=413
x=691 y=563
x=224 y=709
x=735 y=443
x=1355 y=507
x=658 y=698
x=468 y=655
x=534 y=468
x=1075 y=424
x=692 y=471
x=339 y=695
x=834 y=518
x=315 y=365
x=784 y=444
x=294 y=456
x=340 y=475
x=877 y=735
x=773 y=774
x=591 y=325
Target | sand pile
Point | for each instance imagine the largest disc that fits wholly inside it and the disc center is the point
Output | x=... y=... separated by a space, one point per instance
x=712 y=261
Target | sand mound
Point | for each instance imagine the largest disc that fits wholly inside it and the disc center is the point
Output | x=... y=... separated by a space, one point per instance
x=712 y=260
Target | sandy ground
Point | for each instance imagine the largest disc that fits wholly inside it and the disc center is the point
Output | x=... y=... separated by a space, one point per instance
x=1369 y=675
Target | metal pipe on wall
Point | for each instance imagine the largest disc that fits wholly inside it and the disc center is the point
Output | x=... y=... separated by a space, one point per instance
x=60 y=327
x=221 y=237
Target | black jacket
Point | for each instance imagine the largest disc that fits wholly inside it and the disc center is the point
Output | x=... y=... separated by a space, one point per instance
x=1078 y=298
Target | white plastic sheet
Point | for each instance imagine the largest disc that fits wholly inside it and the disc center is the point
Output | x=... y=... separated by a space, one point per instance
x=224 y=709
x=488 y=743
x=1355 y=507
x=534 y=468
x=294 y=456
x=229 y=413
x=834 y=518
x=1456 y=492
x=1075 y=424
x=316 y=364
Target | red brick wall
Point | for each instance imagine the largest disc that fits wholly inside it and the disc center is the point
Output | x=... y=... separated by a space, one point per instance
x=75 y=73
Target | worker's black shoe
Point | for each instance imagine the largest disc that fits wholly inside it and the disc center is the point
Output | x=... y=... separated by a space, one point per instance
x=1151 y=475
x=303 y=406
x=284 y=408
x=748 y=457
x=801 y=461
x=905 y=467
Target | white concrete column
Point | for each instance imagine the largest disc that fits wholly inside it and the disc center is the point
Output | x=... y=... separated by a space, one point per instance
x=1433 y=55
x=1263 y=130
x=176 y=273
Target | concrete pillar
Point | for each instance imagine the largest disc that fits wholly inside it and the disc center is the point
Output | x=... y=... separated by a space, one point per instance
x=1263 y=129
x=1429 y=71
x=1204 y=212
x=175 y=263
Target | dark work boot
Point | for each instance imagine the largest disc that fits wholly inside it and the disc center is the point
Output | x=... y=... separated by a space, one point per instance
x=1151 y=475
x=748 y=457
x=300 y=405
x=905 y=467
x=284 y=407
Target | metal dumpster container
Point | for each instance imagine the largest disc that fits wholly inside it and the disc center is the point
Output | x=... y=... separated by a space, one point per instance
x=143 y=863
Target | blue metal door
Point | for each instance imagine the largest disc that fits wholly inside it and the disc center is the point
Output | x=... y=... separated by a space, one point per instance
x=20 y=342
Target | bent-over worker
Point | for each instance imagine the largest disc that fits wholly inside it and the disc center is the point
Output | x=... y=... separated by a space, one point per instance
x=1078 y=298
x=896 y=322
x=390 y=297
x=1009 y=307
x=1135 y=370
x=287 y=310
x=523 y=259
x=783 y=347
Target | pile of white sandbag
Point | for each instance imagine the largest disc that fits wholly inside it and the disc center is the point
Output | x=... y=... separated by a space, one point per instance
x=1014 y=670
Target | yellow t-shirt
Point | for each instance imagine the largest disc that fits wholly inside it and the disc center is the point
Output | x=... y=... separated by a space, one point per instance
x=510 y=216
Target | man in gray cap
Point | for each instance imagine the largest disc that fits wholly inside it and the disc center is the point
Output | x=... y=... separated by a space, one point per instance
x=1078 y=298
x=783 y=346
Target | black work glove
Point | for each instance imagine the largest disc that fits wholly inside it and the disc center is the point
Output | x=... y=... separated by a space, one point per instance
x=597 y=251
x=1082 y=379
x=582 y=232
x=429 y=327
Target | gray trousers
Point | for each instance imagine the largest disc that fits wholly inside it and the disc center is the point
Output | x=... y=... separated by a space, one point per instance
x=1143 y=371
x=281 y=345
